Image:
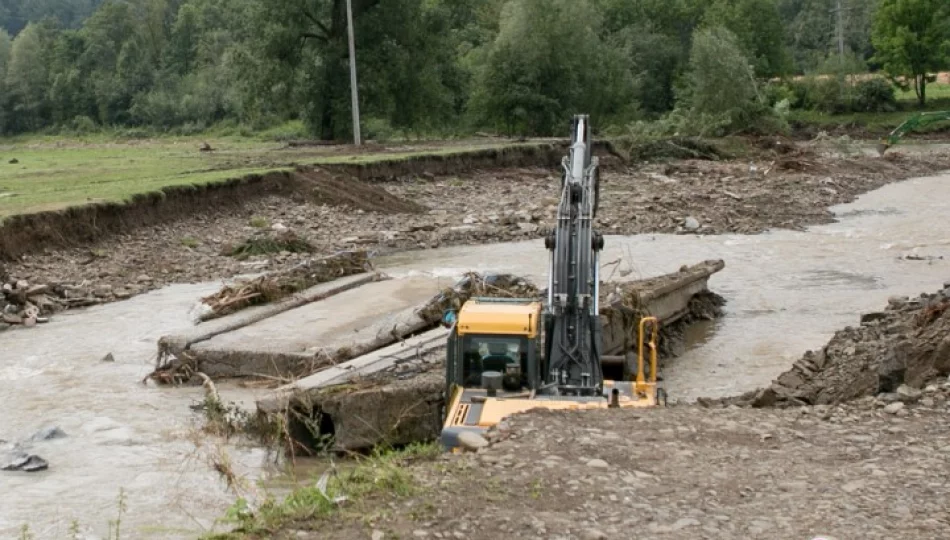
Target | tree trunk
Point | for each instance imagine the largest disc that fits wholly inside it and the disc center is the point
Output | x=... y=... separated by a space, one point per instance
x=922 y=95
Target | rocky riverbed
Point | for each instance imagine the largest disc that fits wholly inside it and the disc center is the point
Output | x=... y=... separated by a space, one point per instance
x=852 y=471
x=787 y=188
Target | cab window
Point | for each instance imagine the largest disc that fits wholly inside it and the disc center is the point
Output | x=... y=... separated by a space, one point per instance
x=507 y=355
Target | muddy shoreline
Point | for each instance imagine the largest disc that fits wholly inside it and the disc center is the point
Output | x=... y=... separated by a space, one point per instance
x=786 y=185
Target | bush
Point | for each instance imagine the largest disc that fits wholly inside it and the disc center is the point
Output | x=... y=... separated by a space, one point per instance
x=83 y=125
x=829 y=94
x=875 y=95
x=721 y=95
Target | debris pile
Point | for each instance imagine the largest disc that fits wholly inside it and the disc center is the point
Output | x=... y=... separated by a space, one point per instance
x=474 y=284
x=276 y=241
x=24 y=304
x=892 y=353
x=275 y=286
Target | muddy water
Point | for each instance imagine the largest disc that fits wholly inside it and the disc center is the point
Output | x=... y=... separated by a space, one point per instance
x=120 y=434
x=787 y=292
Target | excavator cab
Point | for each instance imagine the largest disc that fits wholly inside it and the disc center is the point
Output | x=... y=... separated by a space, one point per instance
x=495 y=335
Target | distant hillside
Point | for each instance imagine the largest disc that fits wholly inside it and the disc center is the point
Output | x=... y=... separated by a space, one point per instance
x=15 y=14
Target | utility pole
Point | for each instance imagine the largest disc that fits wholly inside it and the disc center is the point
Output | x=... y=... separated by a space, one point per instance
x=839 y=26
x=840 y=30
x=354 y=92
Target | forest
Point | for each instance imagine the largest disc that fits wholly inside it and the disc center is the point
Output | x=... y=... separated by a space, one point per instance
x=447 y=67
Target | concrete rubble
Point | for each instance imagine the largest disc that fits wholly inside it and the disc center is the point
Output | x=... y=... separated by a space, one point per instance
x=394 y=394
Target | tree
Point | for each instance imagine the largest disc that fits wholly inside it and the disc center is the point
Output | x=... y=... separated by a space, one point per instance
x=5 y=47
x=758 y=29
x=912 y=39
x=720 y=91
x=549 y=62
x=27 y=77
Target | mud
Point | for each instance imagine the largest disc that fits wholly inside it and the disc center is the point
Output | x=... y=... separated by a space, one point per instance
x=680 y=473
x=906 y=344
x=790 y=187
x=34 y=233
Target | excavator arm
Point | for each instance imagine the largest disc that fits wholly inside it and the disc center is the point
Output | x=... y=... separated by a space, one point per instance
x=572 y=323
x=914 y=122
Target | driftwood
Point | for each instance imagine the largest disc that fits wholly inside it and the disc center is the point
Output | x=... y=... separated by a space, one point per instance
x=271 y=287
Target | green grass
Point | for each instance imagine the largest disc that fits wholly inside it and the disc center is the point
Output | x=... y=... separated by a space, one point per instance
x=934 y=91
x=874 y=123
x=383 y=473
x=54 y=172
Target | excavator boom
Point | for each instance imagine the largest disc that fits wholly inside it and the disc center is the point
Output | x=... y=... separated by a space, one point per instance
x=572 y=323
x=918 y=120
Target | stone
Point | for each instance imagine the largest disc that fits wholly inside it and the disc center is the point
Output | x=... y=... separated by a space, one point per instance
x=26 y=463
x=470 y=440
x=377 y=535
x=684 y=523
x=528 y=227
x=419 y=533
x=143 y=278
x=108 y=358
x=691 y=224
x=597 y=464
x=594 y=534
x=907 y=394
x=871 y=317
x=851 y=487
x=894 y=407
x=897 y=301
x=48 y=433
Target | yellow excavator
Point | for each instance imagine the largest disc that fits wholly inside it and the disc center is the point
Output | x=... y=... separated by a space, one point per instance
x=917 y=120
x=507 y=356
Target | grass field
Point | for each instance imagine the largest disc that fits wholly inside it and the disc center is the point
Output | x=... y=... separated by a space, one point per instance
x=53 y=173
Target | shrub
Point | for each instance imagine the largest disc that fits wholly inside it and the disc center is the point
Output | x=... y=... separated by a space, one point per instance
x=875 y=95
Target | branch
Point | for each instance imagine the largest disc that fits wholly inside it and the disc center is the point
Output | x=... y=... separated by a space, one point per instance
x=322 y=27
x=311 y=35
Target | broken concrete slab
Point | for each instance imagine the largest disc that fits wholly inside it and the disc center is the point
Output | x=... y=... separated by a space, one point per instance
x=361 y=403
x=178 y=343
x=406 y=350
x=295 y=342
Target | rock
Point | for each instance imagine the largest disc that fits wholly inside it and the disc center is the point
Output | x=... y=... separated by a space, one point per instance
x=907 y=394
x=108 y=358
x=26 y=463
x=419 y=533
x=593 y=534
x=597 y=464
x=48 y=433
x=528 y=227
x=472 y=441
x=896 y=302
x=470 y=220
x=691 y=224
x=279 y=227
x=851 y=487
x=143 y=278
x=684 y=523
x=377 y=535
x=122 y=293
x=871 y=317
x=894 y=407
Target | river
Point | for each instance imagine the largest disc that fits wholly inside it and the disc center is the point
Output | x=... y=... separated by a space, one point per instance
x=787 y=292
